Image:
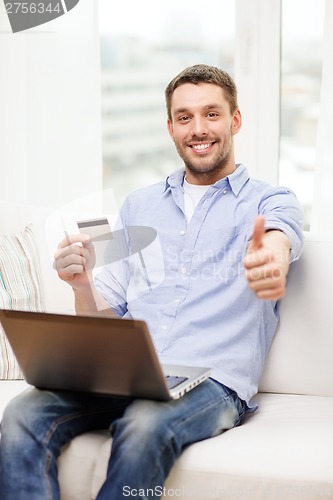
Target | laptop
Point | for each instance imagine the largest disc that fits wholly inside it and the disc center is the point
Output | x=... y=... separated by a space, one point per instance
x=94 y=354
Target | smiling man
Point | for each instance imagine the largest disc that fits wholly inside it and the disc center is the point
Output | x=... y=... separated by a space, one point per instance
x=227 y=241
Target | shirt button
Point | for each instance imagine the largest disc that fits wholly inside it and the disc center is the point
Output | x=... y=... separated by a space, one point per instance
x=225 y=191
x=164 y=327
x=182 y=232
x=183 y=270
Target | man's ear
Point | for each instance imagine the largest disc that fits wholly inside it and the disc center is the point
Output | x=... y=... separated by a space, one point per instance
x=236 y=122
x=170 y=128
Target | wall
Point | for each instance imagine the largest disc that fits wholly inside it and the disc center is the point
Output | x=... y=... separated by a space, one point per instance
x=50 y=146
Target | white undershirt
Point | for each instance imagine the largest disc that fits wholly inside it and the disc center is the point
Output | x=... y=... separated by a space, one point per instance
x=192 y=195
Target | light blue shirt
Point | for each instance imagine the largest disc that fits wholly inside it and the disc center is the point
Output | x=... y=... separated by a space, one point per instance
x=189 y=283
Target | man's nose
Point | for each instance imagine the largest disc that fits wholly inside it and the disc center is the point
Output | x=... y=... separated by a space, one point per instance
x=199 y=127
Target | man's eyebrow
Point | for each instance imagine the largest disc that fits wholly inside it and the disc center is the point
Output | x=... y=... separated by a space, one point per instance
x=208 y=106
x=180 y=110
x=214 y=106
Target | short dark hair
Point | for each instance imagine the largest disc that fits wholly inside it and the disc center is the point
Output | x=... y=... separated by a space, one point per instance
x=201 y=73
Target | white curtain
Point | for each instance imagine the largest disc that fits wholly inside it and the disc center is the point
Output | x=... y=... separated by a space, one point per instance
x=322 y=210
x=50 y=131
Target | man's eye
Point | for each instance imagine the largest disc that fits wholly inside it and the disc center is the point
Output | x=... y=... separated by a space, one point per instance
x=183 y=118
x=212 y=115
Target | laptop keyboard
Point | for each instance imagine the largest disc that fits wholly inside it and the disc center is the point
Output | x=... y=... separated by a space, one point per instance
x=173 y=380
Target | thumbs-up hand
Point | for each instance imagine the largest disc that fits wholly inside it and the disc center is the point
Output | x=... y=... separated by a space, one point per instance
x=267 y=261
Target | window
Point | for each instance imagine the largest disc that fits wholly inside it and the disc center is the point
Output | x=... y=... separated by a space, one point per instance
x=274 y=49
x=301 y=75
x=143 y=45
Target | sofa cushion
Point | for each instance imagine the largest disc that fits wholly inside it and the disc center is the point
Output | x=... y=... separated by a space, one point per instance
x=80 y=462
x=300 y=359
x=284 y=450
x=20 y=287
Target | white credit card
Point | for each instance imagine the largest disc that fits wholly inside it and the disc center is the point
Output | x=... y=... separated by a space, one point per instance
x=97 y=229
x=101 y=235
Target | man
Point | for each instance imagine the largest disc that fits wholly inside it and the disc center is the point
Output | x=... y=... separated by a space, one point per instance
x=227 y=241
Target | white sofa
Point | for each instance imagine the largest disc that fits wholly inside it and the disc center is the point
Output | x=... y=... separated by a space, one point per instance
x=284 y=450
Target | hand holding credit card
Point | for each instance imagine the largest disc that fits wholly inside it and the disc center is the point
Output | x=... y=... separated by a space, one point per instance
x=100 y=234
x=112 y=246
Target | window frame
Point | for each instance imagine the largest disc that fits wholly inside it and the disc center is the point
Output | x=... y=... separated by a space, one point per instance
x=257 y=74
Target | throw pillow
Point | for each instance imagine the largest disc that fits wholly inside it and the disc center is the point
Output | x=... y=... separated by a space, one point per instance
x=20 y=288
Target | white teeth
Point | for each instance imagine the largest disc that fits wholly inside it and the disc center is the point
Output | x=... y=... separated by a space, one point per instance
x=201 y=146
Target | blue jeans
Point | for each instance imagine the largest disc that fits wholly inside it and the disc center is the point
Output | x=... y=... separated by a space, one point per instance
x=148 y=437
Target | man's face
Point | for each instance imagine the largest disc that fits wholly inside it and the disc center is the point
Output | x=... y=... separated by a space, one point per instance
x=202 y=128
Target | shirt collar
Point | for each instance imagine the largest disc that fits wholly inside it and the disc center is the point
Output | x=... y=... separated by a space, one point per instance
x=236 y=180
x=175 y=179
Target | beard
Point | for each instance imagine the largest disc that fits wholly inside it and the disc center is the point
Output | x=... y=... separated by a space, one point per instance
x=212 y=164
x=207 y=168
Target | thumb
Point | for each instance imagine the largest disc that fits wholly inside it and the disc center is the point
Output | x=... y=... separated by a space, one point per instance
x=258 y=233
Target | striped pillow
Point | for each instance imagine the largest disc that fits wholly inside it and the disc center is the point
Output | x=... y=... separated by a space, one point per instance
x=20 y=288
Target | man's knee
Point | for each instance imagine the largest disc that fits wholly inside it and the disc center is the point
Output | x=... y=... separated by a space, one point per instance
x=23 y=414
x=146 y=420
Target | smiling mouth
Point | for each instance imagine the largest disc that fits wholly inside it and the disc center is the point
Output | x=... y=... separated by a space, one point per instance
x=203 y=146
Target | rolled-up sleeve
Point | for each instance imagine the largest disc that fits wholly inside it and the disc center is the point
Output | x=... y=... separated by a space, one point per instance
x=283 y=211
